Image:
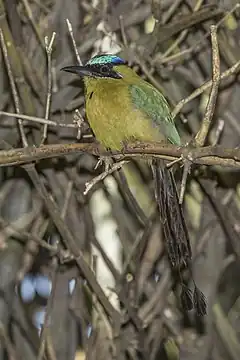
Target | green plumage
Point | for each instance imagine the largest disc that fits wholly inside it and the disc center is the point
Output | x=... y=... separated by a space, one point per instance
x=149 y=100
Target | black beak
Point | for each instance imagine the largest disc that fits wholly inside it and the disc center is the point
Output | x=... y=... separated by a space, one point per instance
x=79 y=70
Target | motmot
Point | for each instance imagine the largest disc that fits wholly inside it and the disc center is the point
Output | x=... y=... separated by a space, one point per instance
x=122 y=108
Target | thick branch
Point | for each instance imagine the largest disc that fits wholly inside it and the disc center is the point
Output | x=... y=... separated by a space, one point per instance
x=208 y=155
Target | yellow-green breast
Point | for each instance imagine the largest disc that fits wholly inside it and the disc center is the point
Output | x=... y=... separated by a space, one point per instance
x=113 y=117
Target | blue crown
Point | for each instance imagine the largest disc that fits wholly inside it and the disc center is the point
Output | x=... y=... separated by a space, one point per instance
x=106 y=59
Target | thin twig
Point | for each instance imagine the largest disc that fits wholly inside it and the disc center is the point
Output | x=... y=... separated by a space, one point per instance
x=21 y=234
x=218 y=132
x=123 y=33
x=13 y=88
x=170 y=11
x=182 y=35
x=170 y=164
x=67 y=199
x=50 y=301
x=231 y=71
x=32 y=248
x=186 y=172
x=70 y=29
x=78 y=120
x=32 y=21
x=216 y=77
x=38 y=120
x=49 y=47
x=97 y=179
x=161 y=59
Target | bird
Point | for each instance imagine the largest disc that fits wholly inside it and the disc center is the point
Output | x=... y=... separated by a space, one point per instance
x=122 y=108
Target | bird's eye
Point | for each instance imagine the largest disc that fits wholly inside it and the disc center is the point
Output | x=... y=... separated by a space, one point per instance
x=104 y=69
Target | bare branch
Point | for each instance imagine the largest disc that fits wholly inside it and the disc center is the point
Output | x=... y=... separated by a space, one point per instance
x=13 y=87
x=70 y=29
x=231 y=71
x=104 y=174
x=208 y=155
x=38 y=120
x=206 y=123
x=49 y=47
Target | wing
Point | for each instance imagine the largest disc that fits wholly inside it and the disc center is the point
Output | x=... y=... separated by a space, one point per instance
x=149 y=100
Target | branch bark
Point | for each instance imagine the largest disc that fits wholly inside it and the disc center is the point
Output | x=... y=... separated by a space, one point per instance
x=207 y=155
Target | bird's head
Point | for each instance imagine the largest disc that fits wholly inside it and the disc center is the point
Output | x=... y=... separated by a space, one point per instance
x=104 y=66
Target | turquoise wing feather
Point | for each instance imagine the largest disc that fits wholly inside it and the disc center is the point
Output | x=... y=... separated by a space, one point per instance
x=149 y=100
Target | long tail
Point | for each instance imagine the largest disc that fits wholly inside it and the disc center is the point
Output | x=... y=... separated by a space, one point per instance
x=175 y=233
